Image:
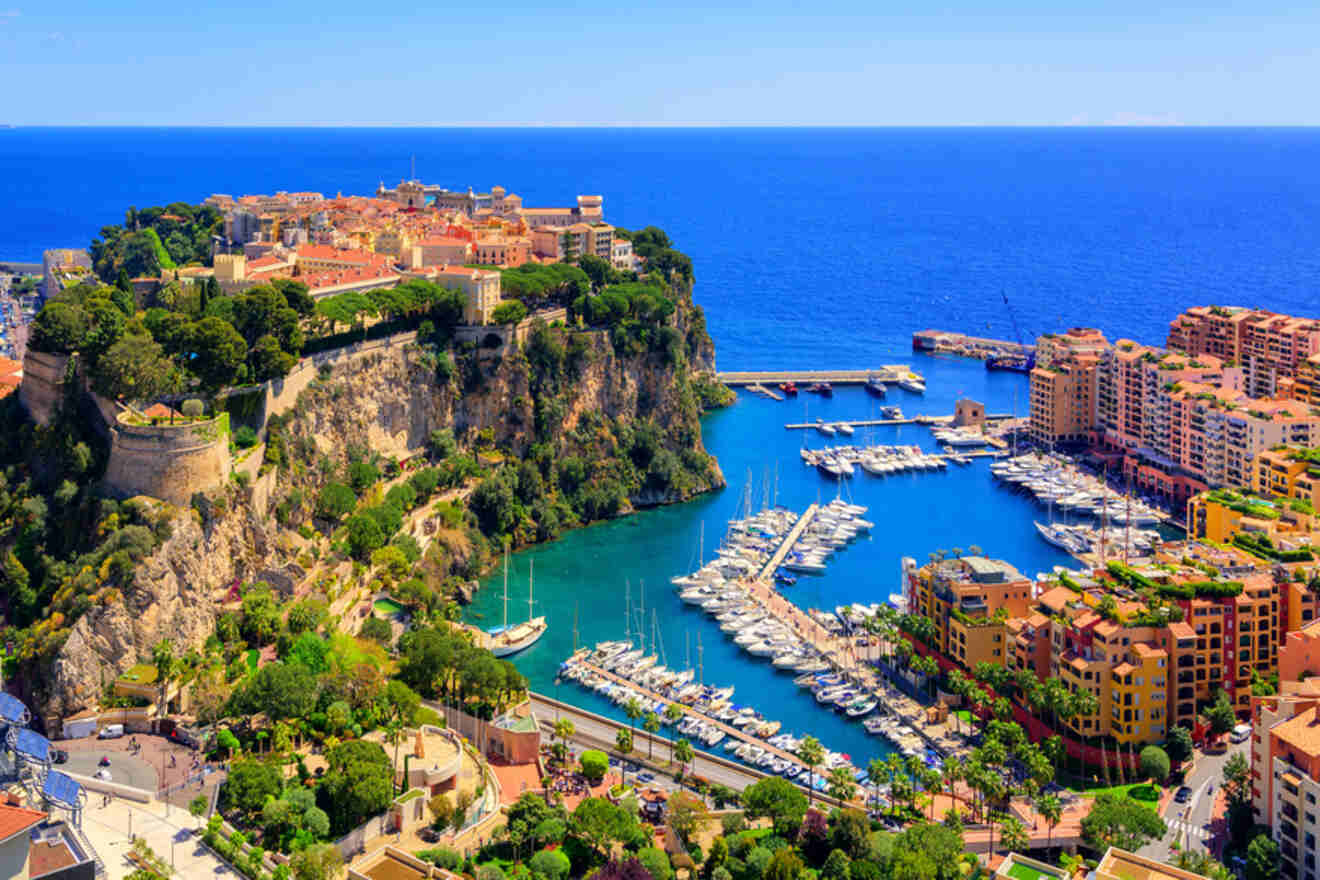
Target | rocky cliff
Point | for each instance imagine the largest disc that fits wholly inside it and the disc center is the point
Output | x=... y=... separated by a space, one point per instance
x=536 y=392
x=172 y=596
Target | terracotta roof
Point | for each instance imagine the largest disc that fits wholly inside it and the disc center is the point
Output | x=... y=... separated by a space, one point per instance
x=1181 y=630
x=1124 y=668
x=1056 y=598
x=16 y=820
x=160 y=411
x=9 y=365
x=1302 y=732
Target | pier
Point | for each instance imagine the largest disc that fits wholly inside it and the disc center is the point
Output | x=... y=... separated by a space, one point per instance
x=979 y=347
x=765 y=392
x=728 y=729
x=787 y=544
x=913 y=420
x=889 y=373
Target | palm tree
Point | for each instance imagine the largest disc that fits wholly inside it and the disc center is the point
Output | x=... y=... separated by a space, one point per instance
x=952 y=772
x=633 y=709
x=683 y=753
x=1013 y=835
x=651 y=724
x=974 y=550
x=993 y=788
x=874 y=771
x=162 y=656
x=811 y=753
x=842 y=785
x=1051 y=810
x=932 y=780
x=563 y=731
x=623 y=744
x=673 y=713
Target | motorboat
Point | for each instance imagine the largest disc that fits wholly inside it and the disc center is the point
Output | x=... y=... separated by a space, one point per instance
x=825 y=428
x=789 y=388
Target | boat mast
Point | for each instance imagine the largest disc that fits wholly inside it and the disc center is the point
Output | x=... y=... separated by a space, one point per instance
x=506 y=589
x=575 y=627
x=641 y=618
x=531 y=568
x=627 y=611
x=656 y=641
x=701 y=676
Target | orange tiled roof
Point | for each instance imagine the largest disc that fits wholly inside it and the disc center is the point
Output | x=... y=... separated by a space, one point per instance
x=16 y=820
x=1302 y=731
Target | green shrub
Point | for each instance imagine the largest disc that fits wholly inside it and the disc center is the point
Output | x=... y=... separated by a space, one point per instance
x=245 y=437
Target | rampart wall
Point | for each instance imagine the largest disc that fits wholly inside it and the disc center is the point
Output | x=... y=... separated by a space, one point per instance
x=169 y=462
x=42 y=387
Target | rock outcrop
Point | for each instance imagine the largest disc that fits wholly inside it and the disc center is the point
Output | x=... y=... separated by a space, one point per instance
x=387 y=402
x=172 y=596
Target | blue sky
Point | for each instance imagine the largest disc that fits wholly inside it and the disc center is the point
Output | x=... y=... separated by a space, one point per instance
x=858 y=62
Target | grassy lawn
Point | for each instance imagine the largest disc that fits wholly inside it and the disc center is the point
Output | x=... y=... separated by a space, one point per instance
x=253 y=656
x=1020 y=871
x=388 y=607
x=1142 y=792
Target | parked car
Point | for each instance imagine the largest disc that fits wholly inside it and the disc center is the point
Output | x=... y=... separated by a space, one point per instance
x=59 y=756
x=1240 y=733
x=1183 y=795
x=110 y=731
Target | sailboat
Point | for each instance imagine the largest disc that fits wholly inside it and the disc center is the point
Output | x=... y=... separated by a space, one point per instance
x=507 y=640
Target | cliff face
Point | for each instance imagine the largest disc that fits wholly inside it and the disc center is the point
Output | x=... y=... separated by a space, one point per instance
x=173 y=596
x=389 y=403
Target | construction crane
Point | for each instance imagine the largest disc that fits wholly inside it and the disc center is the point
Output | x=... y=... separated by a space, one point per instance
x=1021 y=361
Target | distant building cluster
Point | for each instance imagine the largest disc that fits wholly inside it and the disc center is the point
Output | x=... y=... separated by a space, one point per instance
x=413 y=230
x=1231 y=384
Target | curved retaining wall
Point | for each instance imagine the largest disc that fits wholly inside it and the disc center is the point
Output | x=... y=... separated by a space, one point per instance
x=169 y=462
x=42 y=387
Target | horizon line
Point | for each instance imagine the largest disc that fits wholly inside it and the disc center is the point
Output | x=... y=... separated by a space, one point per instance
x=1146 y=124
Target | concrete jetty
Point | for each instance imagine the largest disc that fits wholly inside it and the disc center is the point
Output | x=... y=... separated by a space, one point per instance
x=787 y=544
x=913 y=420
x=887 y=373
x=765 y=392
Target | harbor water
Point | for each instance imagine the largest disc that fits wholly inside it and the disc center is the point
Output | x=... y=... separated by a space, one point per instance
x=587 y=575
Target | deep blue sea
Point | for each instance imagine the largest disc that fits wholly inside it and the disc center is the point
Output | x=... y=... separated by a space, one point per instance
x=813 y=248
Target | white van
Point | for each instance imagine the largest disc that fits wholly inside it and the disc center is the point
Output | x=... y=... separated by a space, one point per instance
x=1241 y=732
x=110 y=731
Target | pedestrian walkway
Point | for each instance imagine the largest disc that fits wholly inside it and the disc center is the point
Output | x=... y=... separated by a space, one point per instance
x=167 y=830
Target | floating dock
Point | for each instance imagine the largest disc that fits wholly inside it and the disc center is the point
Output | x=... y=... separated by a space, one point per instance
x=765 y=392
x=889 y=373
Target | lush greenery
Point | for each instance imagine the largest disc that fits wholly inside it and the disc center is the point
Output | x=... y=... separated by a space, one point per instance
x=155 y=239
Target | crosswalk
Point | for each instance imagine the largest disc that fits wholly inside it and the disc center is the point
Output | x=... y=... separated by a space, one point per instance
x=1185 y=829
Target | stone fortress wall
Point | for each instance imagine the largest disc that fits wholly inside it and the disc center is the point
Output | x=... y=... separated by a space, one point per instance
x=42 y=387
x=169 y=462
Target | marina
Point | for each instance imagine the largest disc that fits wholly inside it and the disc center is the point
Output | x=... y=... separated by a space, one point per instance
x=581 y=576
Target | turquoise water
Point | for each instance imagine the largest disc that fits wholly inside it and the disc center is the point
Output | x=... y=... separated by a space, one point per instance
x=582 y=576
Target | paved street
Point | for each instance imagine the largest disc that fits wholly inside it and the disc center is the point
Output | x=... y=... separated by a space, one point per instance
x=1191 y=824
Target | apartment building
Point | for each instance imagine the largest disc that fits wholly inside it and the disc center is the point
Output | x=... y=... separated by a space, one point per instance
x=1285 y=774
x=1271 y=346
x=1063 y=386
x=1147 y=669
x=1305 y=384
x=1287 y=472
x=970 y=599
x=575 y=240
